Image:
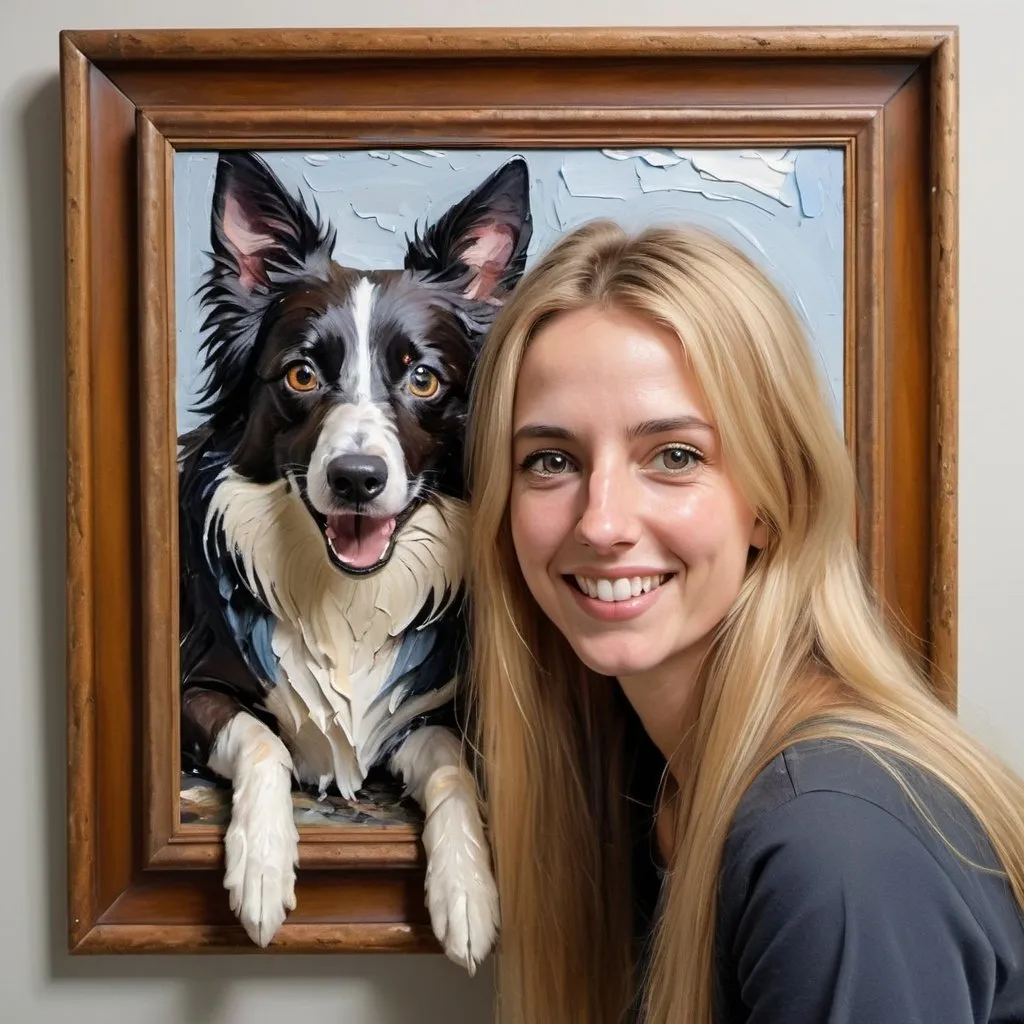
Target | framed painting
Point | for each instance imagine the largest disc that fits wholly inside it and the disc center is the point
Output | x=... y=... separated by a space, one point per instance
x=227 y=564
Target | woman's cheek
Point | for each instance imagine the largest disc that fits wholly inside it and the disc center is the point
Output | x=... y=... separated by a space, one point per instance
x=531 y=510
x=528 y=527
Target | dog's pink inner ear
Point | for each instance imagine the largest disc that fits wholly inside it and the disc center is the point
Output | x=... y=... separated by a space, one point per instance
x=250 y=245
x=488 y=256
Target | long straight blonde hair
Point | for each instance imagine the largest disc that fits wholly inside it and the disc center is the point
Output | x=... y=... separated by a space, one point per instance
x=804 y=652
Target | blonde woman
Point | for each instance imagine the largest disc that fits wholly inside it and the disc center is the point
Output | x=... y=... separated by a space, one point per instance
x=663 y=577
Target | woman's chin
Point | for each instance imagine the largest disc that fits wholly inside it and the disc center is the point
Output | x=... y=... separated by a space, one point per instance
x=606 y=660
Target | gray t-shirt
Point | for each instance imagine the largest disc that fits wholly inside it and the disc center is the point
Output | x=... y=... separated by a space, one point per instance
x=839 y=904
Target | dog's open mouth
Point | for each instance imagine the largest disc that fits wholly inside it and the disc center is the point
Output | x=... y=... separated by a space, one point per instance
x=359 y=542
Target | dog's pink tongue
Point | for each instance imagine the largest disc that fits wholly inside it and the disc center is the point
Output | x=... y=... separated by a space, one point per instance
x=359 y=541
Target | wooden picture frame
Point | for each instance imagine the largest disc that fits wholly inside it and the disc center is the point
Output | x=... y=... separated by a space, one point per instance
x=888 y=98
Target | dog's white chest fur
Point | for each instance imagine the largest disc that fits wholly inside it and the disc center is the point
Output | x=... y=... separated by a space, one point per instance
x=336 y=637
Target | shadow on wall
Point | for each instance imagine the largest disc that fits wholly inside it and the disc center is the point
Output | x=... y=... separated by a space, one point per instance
x=385 y=988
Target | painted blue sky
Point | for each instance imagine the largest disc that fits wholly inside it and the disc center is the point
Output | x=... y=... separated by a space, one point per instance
x=784 y=207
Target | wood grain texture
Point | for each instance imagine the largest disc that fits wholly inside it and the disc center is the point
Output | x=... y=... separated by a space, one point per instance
x=944 y=331
x=260 y=45
x=191 y=847
x=138 y=879
x=432 y=84
x=298 y=126
x=81 y=740
x=114 y=517
x=330 y=937
x=906 y=357
x=864 y=371
x=197 y=897
x=159 y=492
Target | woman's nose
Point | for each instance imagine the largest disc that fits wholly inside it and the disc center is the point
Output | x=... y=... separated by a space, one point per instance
x=610 y=517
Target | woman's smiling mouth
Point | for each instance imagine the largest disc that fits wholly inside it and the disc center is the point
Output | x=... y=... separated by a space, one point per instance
x=612 y=598
x=618 y=588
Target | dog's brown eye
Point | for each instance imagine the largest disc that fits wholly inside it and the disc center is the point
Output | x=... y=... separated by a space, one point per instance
x=302 y=378
x=423 y=383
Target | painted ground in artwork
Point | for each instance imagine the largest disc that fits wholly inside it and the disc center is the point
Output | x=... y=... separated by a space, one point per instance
x=379 y=804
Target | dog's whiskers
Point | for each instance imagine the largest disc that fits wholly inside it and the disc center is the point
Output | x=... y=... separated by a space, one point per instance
x=428 y=493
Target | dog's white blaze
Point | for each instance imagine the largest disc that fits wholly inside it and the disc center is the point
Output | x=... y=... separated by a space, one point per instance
x=362 y=308
x=336 y=637
x=362 y=428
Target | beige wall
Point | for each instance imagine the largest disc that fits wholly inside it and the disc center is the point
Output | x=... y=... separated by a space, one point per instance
x=38 y=982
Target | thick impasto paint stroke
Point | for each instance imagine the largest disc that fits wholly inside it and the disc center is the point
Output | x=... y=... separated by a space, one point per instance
x=784 y=207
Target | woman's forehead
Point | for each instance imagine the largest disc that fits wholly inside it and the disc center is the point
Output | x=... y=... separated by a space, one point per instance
x=606 y=363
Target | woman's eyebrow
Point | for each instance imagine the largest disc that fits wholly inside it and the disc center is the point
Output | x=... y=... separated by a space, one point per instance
x=666 y=426
x=644 y=429
x=541 y=430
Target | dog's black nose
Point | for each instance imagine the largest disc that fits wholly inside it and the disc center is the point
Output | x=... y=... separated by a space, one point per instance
x=357 y=478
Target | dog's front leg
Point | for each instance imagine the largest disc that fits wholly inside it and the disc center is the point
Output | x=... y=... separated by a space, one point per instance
x=261 y=846
x=461 y=895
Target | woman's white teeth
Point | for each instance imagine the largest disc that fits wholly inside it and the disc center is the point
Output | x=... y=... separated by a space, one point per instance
x=621 y=589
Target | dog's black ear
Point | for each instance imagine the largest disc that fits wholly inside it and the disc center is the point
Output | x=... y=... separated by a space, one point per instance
x=481 y=241
x=261 y=237
x=258 y=227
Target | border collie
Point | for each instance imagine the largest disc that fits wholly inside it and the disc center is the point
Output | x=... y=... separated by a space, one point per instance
x=322 y=530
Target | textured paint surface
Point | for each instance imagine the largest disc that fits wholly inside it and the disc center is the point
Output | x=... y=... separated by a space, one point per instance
x=783 y=207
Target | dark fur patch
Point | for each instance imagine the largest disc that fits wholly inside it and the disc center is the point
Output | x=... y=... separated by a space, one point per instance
x=273 y=294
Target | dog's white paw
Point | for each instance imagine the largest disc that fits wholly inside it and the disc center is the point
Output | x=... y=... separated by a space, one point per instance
x=460 y=890
x=261 y=850
x=261 y=845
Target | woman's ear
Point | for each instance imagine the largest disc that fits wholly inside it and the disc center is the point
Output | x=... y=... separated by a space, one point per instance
x=759 y=534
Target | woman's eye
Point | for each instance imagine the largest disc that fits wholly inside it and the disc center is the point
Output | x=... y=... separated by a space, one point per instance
x=301 y=377
x=677 y=457
x=547 y=463
x=423 y=382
